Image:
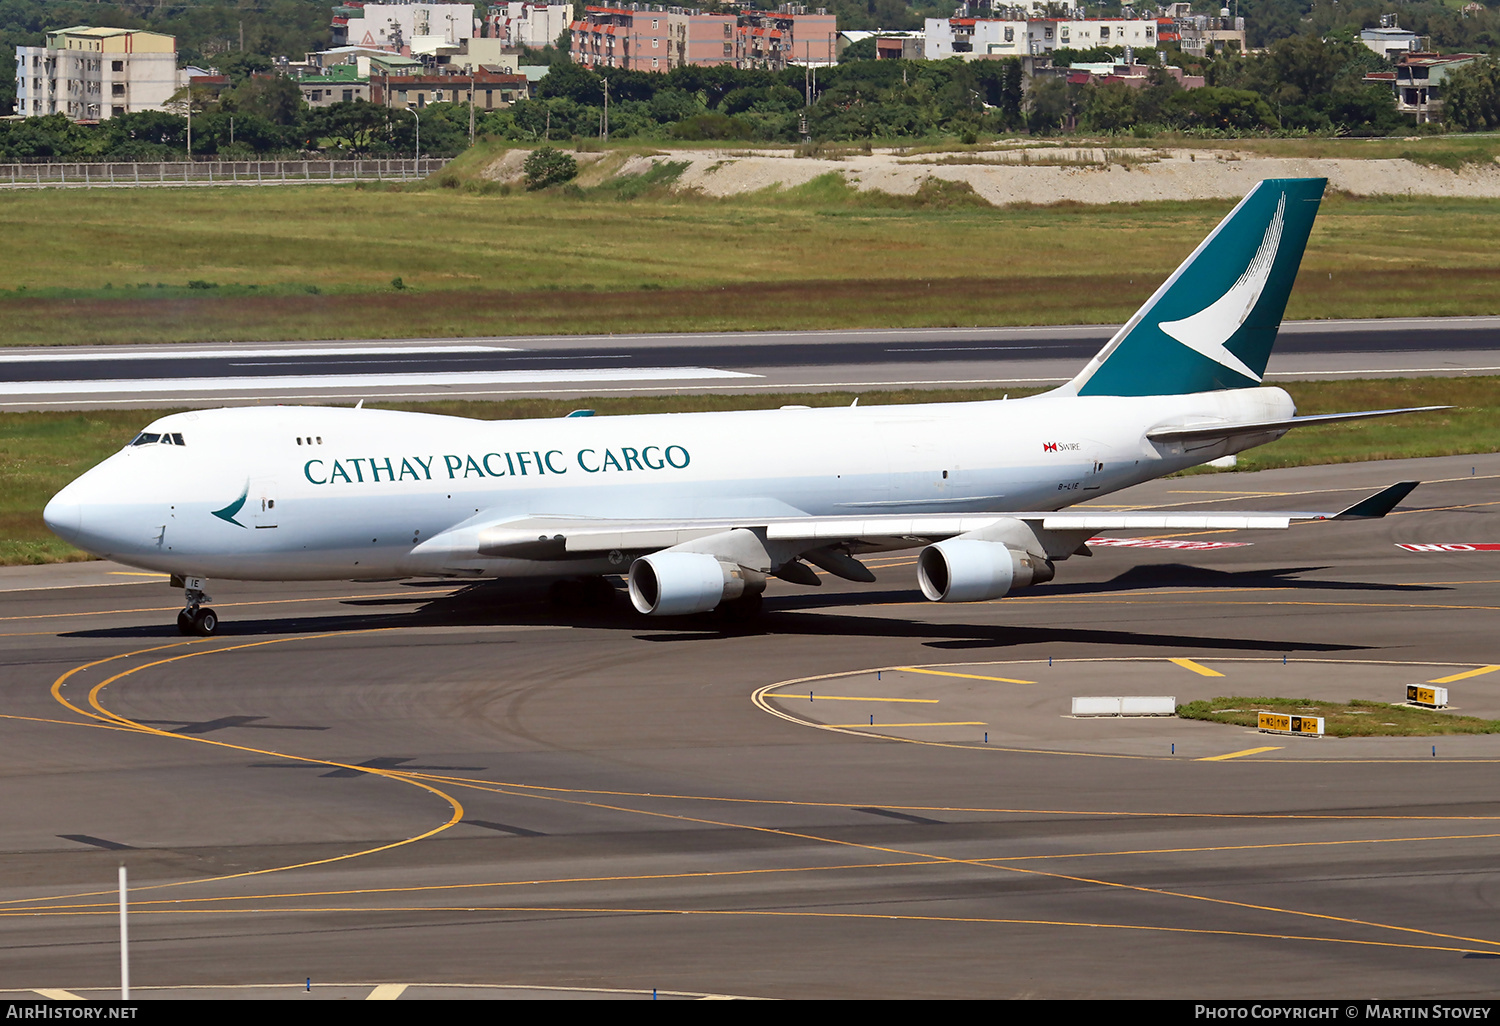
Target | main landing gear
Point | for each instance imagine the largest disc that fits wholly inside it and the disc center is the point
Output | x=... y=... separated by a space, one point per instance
x=196 y=617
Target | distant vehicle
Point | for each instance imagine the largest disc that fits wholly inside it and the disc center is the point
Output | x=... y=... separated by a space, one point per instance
x=698 y=510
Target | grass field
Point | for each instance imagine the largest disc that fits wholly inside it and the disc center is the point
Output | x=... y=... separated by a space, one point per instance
x=1355 y=719
x=298 y=263
x=41 y=452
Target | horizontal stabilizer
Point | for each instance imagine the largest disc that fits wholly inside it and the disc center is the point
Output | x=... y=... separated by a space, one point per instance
x=1199 y=432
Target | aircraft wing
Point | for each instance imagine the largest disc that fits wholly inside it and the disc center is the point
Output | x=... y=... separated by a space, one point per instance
x=564 y=537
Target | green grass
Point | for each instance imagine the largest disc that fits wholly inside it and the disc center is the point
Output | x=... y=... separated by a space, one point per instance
x=294 y=263
x=41 y=452
x=1473 y=426
x=1355 y=719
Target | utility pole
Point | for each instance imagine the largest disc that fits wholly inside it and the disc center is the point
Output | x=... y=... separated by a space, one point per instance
x=418 y=117
x=605 y=134
x=471 y=105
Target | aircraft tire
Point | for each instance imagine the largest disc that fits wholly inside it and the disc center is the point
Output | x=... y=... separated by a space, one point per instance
x=184 y=623
x=205 y=623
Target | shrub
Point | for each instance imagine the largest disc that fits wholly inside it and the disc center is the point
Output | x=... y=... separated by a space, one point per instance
x=547 y=166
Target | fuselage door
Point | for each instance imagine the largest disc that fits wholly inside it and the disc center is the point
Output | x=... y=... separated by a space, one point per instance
x=262 y=502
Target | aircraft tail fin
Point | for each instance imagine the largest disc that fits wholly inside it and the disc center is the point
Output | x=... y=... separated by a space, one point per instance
x=1211 y=325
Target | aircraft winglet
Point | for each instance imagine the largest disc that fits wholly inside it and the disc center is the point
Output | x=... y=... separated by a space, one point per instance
x=1373 y=507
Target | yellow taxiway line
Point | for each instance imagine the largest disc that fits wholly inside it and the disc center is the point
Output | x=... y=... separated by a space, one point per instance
x=1198 y=668
x=1465 y=675
x=967 y=676
x=1236 y=755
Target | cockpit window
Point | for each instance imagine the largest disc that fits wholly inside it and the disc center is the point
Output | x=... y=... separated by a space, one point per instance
x=152 y=438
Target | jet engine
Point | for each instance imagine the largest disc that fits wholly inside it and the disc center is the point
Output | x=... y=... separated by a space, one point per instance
x=967 y=570
x=677 y=583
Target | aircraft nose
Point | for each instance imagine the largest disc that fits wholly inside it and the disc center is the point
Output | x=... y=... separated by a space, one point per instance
x=64 y=516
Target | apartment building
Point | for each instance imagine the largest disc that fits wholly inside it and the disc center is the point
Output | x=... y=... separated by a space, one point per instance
x=643 y=37
x=774 y=39
x=974 y=38
x=1195 y=34
x=648 y=37
x=92 y=74
x=491 y=90
x=527 y=24
x=400 y=26
x=341 y=83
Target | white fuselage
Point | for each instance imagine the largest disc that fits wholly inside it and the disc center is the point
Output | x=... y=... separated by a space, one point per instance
x=337 y=493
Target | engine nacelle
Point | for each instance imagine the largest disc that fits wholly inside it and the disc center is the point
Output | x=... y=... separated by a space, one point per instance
x=966 y=570
x=677 y=583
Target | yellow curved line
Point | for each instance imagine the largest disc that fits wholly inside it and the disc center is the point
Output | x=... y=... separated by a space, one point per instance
x=57 y=685
x=798 y=835
x=803 y=914
x=555 y=797
x=114 y=719
x=759 y=696
x=718 y=873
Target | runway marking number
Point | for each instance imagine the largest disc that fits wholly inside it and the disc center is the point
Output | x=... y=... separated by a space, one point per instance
x=1449 y=546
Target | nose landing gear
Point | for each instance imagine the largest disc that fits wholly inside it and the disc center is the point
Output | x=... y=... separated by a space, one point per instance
x=196 y=617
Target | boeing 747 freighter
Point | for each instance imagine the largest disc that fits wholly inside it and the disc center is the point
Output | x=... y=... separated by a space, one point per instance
x=697 y=510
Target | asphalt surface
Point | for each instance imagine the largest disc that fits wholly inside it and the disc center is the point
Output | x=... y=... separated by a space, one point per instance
x=576 y=366
x=401 y=790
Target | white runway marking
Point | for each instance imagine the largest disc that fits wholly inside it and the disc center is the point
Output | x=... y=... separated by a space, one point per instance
x=148 y=386
x=54 y=355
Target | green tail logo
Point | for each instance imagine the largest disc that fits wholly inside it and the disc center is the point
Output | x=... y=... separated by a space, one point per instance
x=1212 y=324
x=229 y=512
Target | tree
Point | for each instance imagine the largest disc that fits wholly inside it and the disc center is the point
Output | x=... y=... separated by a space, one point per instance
x=271 y=96
x=1110 y=108
x=1230 y=110
x=863 y=50
x=1471 y=97
x=547 y=166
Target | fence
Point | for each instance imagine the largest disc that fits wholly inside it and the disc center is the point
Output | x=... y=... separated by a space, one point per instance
x=227 y=172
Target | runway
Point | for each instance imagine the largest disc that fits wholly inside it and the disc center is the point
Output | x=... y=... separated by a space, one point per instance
x=406 y=790
x=576 y=366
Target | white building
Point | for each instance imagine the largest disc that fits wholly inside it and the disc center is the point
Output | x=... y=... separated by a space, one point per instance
x=1391 y=42
x=92 y=74
x=396 y=26
x=971 y=38
x=1196 y=33
x=527 y=24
